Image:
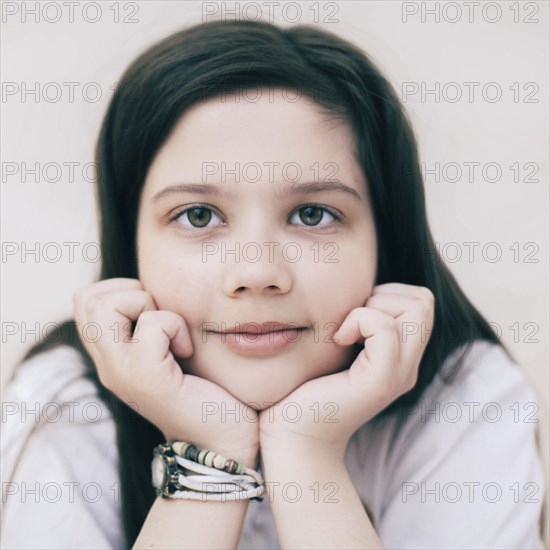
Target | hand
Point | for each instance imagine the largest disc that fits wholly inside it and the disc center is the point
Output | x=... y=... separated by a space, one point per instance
x=140 y=368
x=385 y=368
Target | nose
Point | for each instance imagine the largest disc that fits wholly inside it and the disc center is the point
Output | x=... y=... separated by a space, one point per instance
x=256 y=268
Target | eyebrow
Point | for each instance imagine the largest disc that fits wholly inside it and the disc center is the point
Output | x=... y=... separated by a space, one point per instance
x=293 y=189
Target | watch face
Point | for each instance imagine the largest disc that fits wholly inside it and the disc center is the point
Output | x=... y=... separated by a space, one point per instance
x=157 y=467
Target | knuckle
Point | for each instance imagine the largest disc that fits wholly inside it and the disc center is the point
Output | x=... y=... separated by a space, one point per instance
x=389 y=323
x=147 y=316
x=107 y=381
x=149 y=297
x=427 y=295
x=373 y=298
x=150 y=304
x=355 y=312
x=388 y=391
x=103 y=378
x=93 y=304
x=78 y=294
x=411 y=381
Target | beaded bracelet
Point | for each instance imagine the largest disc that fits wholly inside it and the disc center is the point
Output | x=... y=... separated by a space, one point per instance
x=210 y=459
x=222 y=477
x=249 y=494
x=220 y=482
x=212 y=484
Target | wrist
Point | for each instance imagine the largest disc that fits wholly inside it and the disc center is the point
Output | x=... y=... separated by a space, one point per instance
x=176 y=464
x=245 y=455
x=248 y=456
x=313 y=476
x=288 y=453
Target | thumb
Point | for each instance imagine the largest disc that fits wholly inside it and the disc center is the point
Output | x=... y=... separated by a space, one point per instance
x=158 y=331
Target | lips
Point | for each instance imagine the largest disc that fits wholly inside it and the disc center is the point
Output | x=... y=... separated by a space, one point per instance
x=256 y=328
x=259 y=339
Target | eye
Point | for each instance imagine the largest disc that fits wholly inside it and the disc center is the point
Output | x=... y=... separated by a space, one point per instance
x=311 y=215
x=197 y=216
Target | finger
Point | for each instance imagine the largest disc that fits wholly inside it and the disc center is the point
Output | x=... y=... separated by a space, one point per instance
x=370 y=381
x=398 y=306
x=113 y=313
x=363 y=325
x=84 y=293
x=401 y=289
x=391 y=304
x=415 y=322
x=159 y=332
x=371 y=377
x=108 y=285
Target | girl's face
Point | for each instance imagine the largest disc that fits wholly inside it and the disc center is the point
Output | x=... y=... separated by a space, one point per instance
x=255 y=217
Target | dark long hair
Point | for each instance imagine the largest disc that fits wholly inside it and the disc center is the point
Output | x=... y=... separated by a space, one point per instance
x=219 y=57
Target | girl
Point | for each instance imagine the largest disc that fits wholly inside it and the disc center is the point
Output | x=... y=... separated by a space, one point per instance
x=270 y=292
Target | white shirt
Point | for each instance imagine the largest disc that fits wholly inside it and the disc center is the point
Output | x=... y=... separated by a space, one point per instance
x=458 y=477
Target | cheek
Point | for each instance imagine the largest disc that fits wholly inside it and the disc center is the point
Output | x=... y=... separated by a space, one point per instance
x=170 y=276
x=342 y=284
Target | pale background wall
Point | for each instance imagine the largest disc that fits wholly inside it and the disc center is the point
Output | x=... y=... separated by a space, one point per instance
x=414 y=48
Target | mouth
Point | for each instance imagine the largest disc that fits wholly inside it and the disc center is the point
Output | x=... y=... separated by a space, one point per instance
x=260 y=328
x=266 y=338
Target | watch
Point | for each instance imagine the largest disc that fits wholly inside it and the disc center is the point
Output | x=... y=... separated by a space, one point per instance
x=165 y=471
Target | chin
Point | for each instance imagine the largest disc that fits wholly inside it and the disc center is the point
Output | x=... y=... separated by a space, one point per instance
x=261 y=398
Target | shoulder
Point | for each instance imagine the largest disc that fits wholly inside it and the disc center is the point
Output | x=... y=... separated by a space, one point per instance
x=50 y=388
x=487 y=377
x=49 y=373
x=485 y=385
x=50 y=393
x=483 y=361
x=60 y=458
x=489 y=401
x=466 y=452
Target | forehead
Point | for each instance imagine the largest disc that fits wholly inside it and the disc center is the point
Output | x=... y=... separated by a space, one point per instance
x=273 y=131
